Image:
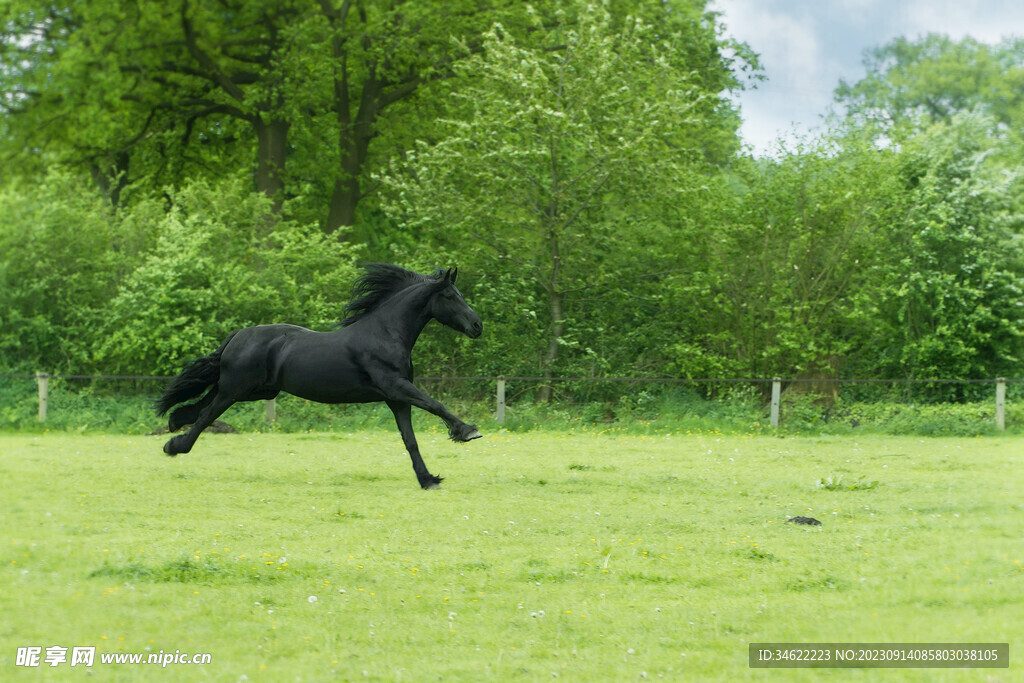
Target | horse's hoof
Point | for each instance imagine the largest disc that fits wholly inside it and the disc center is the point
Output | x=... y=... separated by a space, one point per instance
x=168 y=450
x=432 y=483
x=465 y=433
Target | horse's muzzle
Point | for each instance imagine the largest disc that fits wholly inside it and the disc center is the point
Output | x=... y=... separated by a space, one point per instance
x=474 y=329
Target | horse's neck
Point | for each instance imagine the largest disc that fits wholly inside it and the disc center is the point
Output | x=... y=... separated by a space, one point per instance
x=405 y=313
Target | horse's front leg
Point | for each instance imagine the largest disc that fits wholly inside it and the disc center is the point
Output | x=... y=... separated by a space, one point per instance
x=403 y=418
x=404 y=391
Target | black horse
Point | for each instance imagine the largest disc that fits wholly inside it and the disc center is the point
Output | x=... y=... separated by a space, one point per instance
x=367 y=359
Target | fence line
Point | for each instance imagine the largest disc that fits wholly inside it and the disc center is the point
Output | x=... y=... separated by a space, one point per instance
x=43 y=383
x=653 y=380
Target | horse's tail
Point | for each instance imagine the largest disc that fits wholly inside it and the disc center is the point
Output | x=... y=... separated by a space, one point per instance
x=193 y=380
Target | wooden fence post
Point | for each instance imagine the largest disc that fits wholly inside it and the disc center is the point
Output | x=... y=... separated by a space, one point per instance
x=501 y=400
x=776 y=397
x=43 y=380
x=271 y=409
x=1000 y=403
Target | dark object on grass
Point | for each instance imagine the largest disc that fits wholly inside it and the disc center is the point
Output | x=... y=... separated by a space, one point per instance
x=221 y=427
x=803 y=520
x=367 y=359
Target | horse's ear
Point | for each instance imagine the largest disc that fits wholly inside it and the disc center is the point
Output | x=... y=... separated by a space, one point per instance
x=455 y=274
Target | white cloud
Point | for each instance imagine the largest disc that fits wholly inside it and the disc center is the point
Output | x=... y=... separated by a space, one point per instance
x=857 y=6
x=800 y=76
x=788 y=44
x=988 y=21
x=807 y=47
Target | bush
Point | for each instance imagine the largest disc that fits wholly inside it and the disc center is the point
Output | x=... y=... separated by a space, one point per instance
x=63 y=250
x=942 y=419
x=88 y=289
x=222 y=261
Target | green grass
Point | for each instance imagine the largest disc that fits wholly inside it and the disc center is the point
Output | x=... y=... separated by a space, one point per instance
x=587 y=556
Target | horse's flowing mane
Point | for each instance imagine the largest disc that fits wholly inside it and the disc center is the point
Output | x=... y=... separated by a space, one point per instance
x=379 y=282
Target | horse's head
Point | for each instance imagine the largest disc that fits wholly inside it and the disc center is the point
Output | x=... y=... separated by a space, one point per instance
x=449 y=308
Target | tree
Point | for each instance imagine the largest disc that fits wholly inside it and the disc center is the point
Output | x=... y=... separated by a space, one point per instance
x=949 y=295
x=572 y=163
x=843 y=259
x=63 y=250
x=934 y=78
x=218 y=265
x=949 y=284
x=139 y=290
x=783 y=274
x=155 y=92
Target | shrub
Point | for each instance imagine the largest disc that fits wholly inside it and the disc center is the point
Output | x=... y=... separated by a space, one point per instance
x=221 y=262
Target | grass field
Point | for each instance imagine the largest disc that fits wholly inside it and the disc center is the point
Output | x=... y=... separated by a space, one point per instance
x=585 y=556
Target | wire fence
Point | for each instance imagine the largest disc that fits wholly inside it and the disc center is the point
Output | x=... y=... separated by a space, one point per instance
x=497 y=389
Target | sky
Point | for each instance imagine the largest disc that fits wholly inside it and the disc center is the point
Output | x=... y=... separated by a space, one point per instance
x=807 y=46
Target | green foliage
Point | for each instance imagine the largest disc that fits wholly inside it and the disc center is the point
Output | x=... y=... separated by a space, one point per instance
x=788 y=262
x=952 y=301
x=914 y=82
x=63 y=251
x=939 y=419
x=144 y=95
x=18 y=402
x=577 y=161
x=86 y=288
x=843 y=259
x=221 y=262
x=561 y=176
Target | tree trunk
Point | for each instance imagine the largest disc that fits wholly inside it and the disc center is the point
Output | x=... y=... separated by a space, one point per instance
x=112 y=178
x=554 y=290
x=354 y=137
x=344 y=198
x=271 y=154
x=551 y=354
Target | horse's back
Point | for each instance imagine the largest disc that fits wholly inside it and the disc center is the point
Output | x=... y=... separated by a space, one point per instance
x=252 y=344
x=319 y=366
x=250 y=356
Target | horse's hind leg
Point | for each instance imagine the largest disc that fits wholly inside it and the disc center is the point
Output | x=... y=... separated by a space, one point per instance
x=403 y=418
x=189 y=413
x=216 y=405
